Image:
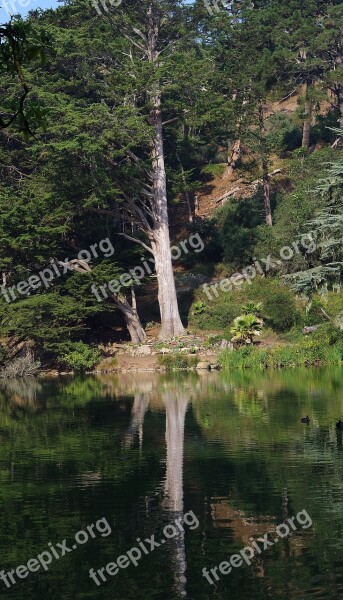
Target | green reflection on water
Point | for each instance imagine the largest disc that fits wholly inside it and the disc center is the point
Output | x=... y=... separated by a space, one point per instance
x=140 y=449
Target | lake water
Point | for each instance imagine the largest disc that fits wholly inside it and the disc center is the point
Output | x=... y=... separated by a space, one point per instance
x=194 y=467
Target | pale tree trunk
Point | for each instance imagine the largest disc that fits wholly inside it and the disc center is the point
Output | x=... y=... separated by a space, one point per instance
x=265 y=173
x=139 y=408
x=176 y=407
x=171 y=325
x=236 y=156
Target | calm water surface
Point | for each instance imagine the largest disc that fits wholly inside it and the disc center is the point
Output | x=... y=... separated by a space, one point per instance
x=141 y=450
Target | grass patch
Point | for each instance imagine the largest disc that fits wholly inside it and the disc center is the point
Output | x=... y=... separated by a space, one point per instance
x=309 y=352
x=177 y=361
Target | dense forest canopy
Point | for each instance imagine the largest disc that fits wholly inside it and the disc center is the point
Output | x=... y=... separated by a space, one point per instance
x=116 y=117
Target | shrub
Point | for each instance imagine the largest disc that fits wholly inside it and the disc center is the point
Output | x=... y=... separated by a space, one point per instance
x=331 y=303
x=236 y=223
x=283 y=134
x=280 y=307
x=81 y=357
x=199 y=307
x=22 y=366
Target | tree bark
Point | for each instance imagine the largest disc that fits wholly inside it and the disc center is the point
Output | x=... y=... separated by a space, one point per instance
x=307 y=120
x=265 y=170
x=236 y=155
x=339 y=63
x=307 y=127
x=340 y=106
x=171 y=325
x=190 y=213
x=131 y=317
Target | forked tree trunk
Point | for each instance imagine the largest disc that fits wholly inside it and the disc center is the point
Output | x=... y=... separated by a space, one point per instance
x=265 y=173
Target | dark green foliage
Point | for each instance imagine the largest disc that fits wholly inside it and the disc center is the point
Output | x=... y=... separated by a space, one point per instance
x=280 y=308
x=326 y=228
x=81 y=357
x=237 y=222
x=63 y=190
x=283 y=134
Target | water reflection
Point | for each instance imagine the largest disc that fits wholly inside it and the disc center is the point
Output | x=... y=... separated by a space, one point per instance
x=141 y=447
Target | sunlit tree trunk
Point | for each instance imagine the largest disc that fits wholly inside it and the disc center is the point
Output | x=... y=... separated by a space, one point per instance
x=171 y=324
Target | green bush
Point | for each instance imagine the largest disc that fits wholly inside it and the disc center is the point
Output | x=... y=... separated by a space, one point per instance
x=280 y=309
x=218 y=314
x=331 y=303
x=81 y=357
x=283 y=134
x=237 y=223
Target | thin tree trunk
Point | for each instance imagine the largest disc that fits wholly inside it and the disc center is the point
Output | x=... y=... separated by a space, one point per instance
x=190 y=213
x=265 y=170
x=307 y=121
x=339 y=64
x=306 y=129
x=340 y=106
